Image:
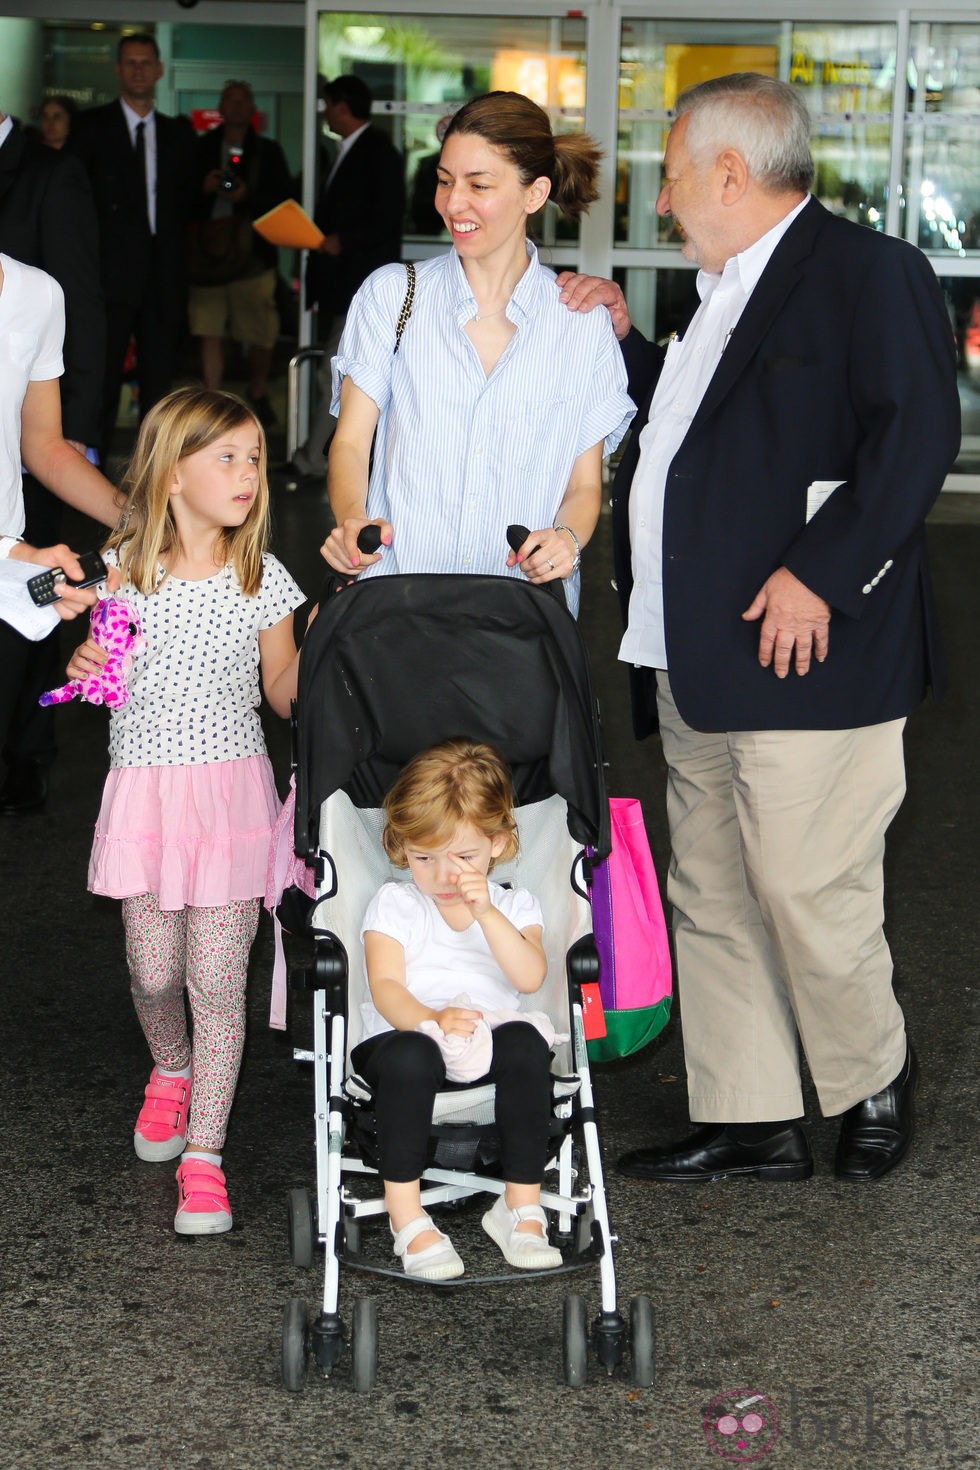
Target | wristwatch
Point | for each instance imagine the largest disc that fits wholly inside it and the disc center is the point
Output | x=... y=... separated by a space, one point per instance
x=7 y=544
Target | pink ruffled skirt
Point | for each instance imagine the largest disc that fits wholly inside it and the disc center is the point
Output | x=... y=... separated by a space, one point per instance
x=193 y=836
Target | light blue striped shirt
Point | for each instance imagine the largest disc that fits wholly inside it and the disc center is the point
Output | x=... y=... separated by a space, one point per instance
x=459 y=456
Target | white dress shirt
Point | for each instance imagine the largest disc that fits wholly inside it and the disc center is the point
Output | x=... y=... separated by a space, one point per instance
x=688 y=369
x=150 y=147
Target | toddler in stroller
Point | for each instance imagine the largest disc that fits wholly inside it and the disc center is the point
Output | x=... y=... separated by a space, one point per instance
x=388 y=670
x=448 y=820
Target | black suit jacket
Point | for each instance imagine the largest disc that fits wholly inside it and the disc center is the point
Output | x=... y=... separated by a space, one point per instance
x=136 y=265
x=842 y=367
x=47 y=219
x=364 y=204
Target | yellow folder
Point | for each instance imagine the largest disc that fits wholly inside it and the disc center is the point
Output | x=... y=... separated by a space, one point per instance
x=288 y=225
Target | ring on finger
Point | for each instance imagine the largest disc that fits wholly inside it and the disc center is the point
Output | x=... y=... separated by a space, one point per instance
x=551 y=564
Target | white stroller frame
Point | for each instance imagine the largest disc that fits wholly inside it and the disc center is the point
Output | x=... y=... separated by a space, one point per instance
x=547 y=858
x=361 y=717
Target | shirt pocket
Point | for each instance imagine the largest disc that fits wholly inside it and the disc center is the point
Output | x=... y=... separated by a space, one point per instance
x=22 y=349
x=532 y=426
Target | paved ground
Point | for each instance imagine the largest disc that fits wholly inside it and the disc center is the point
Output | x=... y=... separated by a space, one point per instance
x=852 y=1311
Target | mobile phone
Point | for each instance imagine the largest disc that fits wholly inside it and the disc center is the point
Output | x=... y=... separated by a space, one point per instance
x=44 y=587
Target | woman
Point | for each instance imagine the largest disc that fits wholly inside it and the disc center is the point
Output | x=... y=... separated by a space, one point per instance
x=54 y=121
x=499 y=403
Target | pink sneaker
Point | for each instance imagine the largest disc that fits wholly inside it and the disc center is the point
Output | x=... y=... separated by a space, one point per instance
x=204 y=1207
x=161 y=1128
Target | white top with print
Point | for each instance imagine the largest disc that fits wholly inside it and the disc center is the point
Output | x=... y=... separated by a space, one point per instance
x=194 y=690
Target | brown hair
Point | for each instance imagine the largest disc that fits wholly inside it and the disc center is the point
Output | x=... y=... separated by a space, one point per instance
x=456 y=781
x=179 y=425
x=521 y=130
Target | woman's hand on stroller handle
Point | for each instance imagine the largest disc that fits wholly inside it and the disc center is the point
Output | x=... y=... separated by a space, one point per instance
x=546 y=558
x=355 y=544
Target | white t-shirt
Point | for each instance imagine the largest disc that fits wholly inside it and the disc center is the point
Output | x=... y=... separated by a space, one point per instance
x=441 y=963
x=32 y=331
x=194 y=691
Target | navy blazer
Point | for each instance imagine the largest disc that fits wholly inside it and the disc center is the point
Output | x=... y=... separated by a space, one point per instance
x=364 y=204
x=134 y=263
x=842 y=367
x=47 y=219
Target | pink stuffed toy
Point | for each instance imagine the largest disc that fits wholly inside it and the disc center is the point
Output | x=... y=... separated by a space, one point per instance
x=116 y=628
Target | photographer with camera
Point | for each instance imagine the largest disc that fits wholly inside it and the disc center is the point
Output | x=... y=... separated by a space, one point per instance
x=232 y=270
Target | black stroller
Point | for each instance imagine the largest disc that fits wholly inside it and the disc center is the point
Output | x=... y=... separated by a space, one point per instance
x=389 y=668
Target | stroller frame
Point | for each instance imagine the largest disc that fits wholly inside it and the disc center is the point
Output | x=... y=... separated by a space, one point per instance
x=579 y=1212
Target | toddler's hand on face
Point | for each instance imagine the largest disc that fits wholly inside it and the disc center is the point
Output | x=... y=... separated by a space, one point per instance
x=471 y=885
x=458 y=1021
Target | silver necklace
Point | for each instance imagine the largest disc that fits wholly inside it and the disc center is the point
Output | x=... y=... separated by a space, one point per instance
x=488 y=314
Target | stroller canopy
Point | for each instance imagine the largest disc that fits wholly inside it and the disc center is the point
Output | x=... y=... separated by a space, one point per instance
x=395 y=664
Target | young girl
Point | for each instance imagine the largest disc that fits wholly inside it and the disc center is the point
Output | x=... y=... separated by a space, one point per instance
x=189 y=804
x=448 y=820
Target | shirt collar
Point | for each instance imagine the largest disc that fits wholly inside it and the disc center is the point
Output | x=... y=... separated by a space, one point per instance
x=6 y=128
x=133 y=118
x=747 y=266
x=346 y=144
x=527 y=297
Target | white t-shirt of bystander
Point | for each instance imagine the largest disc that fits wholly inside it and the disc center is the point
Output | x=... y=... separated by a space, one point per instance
x=32 y=331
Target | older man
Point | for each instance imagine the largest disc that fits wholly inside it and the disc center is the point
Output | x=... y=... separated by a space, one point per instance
x=768 y=524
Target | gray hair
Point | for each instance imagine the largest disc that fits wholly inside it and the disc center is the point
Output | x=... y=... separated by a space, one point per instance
x=765 y=120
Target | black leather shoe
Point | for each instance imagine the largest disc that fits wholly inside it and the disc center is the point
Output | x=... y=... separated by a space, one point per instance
x=25 y=789
x=712 y=1153
x=875 y=1134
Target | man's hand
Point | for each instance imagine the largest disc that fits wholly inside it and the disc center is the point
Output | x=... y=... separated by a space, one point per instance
x=794 y=620
x=584 y=293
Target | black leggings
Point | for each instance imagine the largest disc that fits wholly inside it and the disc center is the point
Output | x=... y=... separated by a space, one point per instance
x=405 y=1070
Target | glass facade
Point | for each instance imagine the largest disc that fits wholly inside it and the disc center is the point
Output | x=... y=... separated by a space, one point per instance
x=894 y=100
x=421 y=68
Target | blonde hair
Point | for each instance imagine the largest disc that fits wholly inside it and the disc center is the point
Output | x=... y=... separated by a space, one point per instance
x=457 y=781
x=179 y=425
x=521 y=130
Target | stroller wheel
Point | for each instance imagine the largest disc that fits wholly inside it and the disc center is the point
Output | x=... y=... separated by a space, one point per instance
x=364 y=1343
x=300 y=1228
x=294 y=1344
x=642 y=1342
x=352 y=1236
x=574 y=1340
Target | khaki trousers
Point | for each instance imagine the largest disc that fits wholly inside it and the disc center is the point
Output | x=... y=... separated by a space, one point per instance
x=776 y=882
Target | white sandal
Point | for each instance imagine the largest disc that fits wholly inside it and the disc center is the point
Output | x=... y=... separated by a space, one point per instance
x=437 y=1262
x=520 y=1248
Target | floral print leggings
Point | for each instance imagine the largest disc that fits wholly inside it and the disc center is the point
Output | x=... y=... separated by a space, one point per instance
x=205 y=951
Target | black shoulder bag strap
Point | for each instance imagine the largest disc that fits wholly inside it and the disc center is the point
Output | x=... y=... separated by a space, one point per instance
x=406 y=310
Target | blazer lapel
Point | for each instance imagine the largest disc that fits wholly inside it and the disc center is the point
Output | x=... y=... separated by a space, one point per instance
x=775 y=284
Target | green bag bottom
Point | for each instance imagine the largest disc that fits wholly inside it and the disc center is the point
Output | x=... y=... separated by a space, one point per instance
x=629 y=1031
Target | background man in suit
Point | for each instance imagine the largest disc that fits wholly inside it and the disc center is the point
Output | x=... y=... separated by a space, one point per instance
x=47 y=219
x=360 y=211
x=770 y=558
x=141 y=167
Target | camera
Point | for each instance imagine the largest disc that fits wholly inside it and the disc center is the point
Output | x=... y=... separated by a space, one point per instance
x=229 y=174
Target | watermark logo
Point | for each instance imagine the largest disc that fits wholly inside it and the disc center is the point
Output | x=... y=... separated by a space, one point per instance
x=741 y=1425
